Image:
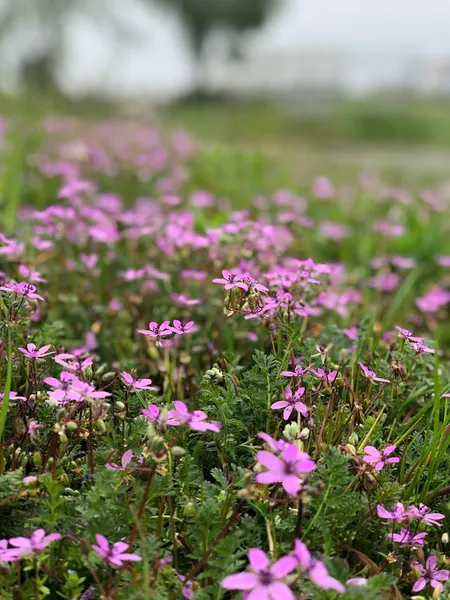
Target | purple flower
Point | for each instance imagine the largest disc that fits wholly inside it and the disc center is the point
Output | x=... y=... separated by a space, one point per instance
x=230 y=281
x=406 y=537
x=157 y=331
x=180 y=329
x=430 y=575
x=290 y=402
x=34 y=353
x=26 y=290
x=195 y=420
x=87 y=392
x=371 y=374
x=136 y=384
x=315 y=569
x=62 y=391
x=380 y=458
x=407 y=335
x=351 y=333
x=114 y=555
x=286 y=468
x=37 y=542
x=264 y=581
x=126 y=459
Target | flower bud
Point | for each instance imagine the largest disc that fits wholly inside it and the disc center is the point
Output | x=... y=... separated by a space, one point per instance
x=108 y=377
x=189 y=510
x=37 y=460
x=178 y=451
x=119 y=406
x=24 y=460
x=304 y=433
x=71 y=426
x=100 y=425
x=63 y=438
x=290 y=431
x=444 y=538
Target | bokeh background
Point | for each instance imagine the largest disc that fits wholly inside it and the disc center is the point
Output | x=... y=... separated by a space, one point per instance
x=358 y=83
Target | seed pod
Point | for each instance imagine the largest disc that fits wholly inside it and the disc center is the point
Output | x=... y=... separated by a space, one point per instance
x=63 y=438
x=120 y=406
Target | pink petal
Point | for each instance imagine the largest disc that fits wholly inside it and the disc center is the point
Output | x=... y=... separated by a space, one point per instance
x=260 y=593
x=268 y=477
x=287 y=412
x=283 y=566
x=270 y=461
x=102 y=541
x=291 y=484
x=279 y=404
x=280 y=591
x=371 y=450
x=240 y=581
x=258 y=559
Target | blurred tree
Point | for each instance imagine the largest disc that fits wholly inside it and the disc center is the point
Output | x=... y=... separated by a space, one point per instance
x=43 y=25
x=203 y=17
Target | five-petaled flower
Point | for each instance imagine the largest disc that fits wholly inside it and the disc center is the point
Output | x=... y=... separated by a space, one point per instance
x=430 y=575
x=408 y=538
x=263 y=580
x=34 y=353
x=115 y=555
x=315 y=569
x=136 y=385
x=195 y=420
x=37 y=542
x=22 y=288
x=230 y=281
x=291 y=401
x=380 y=458
x=287 y=468
x=157 y=331
x=126 y=459
x=371 y=374
x=179 y=328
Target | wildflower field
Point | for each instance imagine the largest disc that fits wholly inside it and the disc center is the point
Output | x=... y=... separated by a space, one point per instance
x=218 y=381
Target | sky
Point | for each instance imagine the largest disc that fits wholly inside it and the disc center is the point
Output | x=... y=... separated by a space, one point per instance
x=375 y=39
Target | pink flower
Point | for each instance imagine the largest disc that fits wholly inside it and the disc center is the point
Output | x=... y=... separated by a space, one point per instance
x=406 y=537
x=34 y=353
x=37 y=542
x=26 y=290
x=264 y=581
x=290 y=402
x=407 y=335
x=380 y=458
x=136 y=384
x=73 y=362
x=114 y=555
x=423 y=514
x=180 y=329
x=323 y=188
x=87 y=392
x=12 y=396
x=33 y=276
x=195 y=420
x=298 y=372
x=315 y=569
x=371 y=374
x=351 y=333
x=398 y=513
x=62 y=391
x=286 y=469
x=126 y=459
x=151 y=412
x=33 y=427
x=430 y=575
x=157 y=331
x=230 y=281
x=321 y=374
x=184 y=300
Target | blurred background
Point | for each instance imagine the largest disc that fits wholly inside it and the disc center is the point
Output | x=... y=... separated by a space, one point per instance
x=366 y=82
